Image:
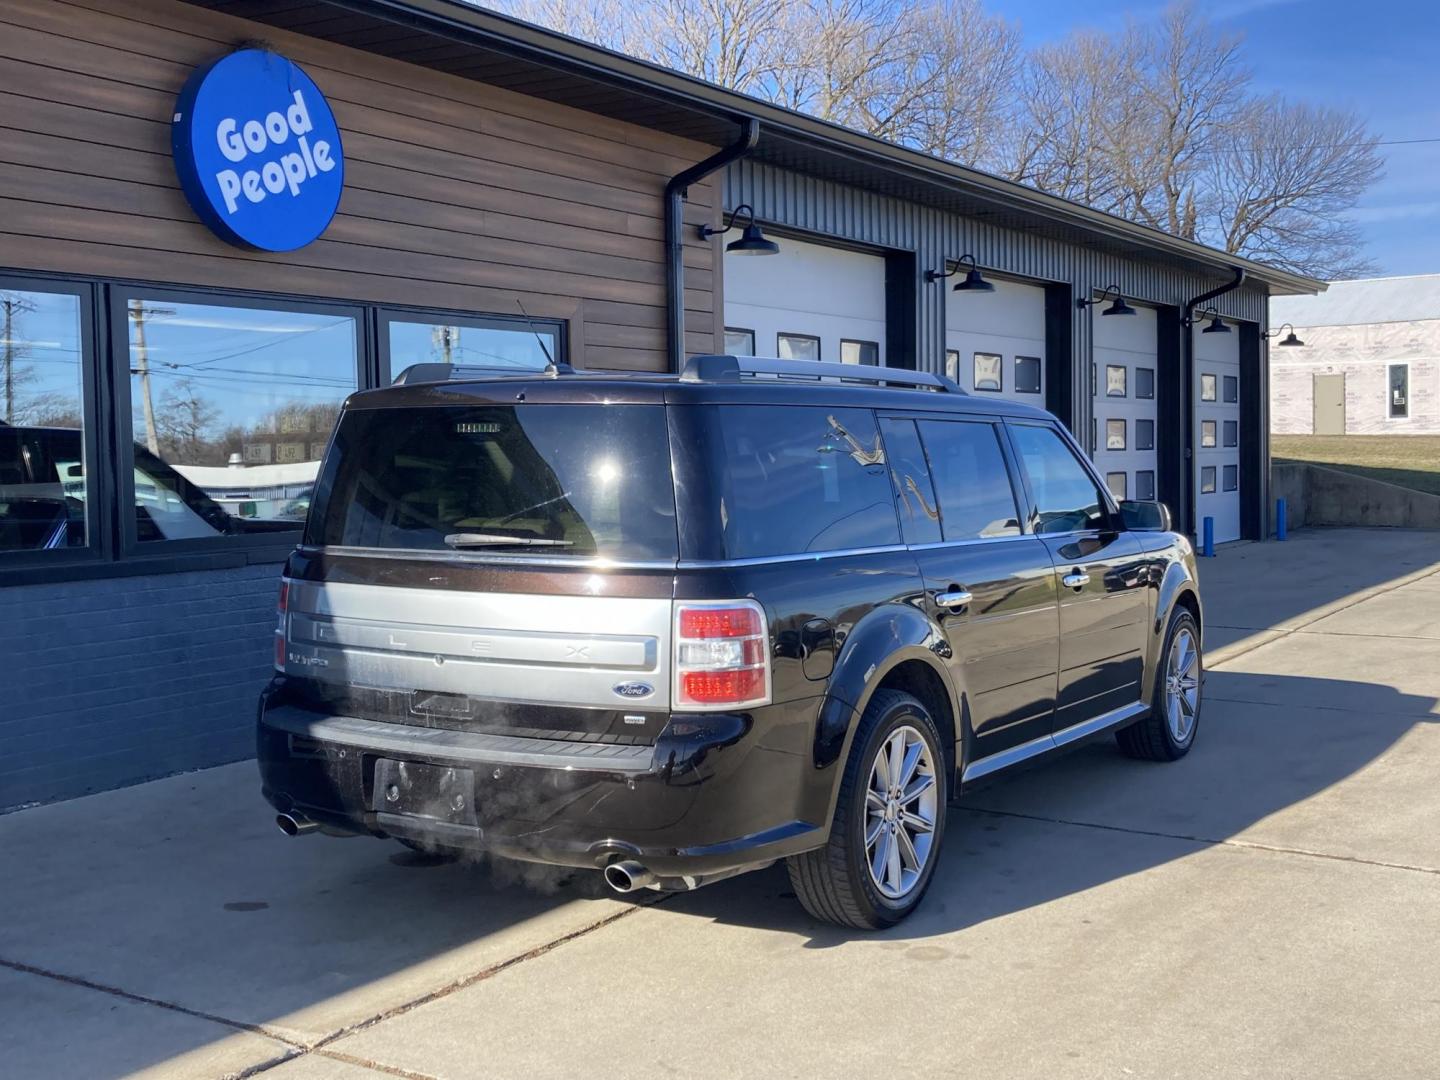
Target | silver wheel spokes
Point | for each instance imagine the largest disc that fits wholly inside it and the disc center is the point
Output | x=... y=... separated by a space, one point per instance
x=900 y=805
x=1182 y=686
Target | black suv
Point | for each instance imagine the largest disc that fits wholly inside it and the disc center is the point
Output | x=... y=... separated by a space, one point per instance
x=678 y=627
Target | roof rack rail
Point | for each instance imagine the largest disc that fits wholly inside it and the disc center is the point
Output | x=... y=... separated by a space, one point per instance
x=431 y=373
x=713 y=369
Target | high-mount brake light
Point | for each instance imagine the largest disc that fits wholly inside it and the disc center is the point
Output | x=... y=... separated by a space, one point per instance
x=722 y=659
x=282 y=609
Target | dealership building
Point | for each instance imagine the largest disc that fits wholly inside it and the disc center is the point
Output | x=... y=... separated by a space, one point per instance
x=218 y=219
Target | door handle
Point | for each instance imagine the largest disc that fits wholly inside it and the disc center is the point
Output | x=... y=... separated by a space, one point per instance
x=953 y=598
x=1076 y=579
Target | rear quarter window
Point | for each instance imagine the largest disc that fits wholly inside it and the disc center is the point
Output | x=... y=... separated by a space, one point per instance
x=782 y=480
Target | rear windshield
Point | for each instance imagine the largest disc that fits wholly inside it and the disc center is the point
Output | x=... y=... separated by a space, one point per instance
x=548 y=480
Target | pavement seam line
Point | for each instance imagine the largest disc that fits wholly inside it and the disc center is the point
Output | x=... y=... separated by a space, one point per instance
x=1422 y=717
x=1251 y=845
x=142 y=999
x=1282 y=633
x=376 y=1066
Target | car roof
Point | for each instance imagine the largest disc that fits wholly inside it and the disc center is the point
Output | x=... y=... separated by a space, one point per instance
x=617 y=388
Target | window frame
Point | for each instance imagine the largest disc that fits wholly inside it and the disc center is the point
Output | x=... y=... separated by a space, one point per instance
x=863 y=344
x=1228 y=473
x=1000 y=372
x=99 y=489
x=952 y=372
x=1214 y=394
x=1039 y=368
x=1124 y=371
x=1151 y=395
x=1124 y=484
x=1021 y=480
x=741 y=330
x=1213 y=480
x=1211 y=427
x=1110 y=428
x=366 y=367
x=819 y=345
x=385 y=314
x=1230 y=434
x=1390 y=414
x=1151 y=474
x=1140 y=423
x=1229 y=383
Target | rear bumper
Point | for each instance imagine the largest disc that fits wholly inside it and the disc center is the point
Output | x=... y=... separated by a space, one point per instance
x=716 y=793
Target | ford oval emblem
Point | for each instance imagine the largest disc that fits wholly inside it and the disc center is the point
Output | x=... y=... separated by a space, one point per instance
x=634 y=690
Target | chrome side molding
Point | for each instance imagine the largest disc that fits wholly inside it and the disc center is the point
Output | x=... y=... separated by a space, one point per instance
x=1045 y=743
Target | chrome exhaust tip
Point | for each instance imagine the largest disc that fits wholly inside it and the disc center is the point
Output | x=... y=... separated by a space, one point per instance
x=628 y=876
x=295 y=824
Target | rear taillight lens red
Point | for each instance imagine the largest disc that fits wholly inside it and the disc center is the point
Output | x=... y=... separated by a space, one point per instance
x=722 y=659
x=282 y=608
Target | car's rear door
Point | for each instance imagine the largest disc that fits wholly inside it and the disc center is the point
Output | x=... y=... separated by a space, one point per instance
x=989 y=583
x=1099 y=570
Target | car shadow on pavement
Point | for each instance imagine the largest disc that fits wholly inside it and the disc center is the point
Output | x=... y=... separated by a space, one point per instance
x=1270 y=767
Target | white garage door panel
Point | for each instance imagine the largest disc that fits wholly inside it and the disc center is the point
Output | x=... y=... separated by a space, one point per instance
x=1217 y=356
x=1008 y=322
x=808 y=289
x=1126 y=342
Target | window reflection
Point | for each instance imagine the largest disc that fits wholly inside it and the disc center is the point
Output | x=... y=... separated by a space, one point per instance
x=472 y=345
x=42 y=467
x=231 y=409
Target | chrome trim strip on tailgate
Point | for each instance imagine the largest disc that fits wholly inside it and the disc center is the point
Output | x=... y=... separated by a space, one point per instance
x=471 y=748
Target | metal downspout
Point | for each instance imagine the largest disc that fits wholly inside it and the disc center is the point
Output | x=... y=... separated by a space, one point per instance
x=675 y=192
x=1187 y=345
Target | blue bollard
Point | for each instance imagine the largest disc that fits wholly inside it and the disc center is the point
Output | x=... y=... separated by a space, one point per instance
x=1280 y=523
x=1207 y=548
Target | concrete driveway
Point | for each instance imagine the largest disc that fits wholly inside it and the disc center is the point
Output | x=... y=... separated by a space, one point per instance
x=1269 y=907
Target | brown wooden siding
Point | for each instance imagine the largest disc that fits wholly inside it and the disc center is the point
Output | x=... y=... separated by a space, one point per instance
x=457 y=194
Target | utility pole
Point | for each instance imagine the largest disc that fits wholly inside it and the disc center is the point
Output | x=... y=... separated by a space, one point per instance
x=138 y=314
x=12 y=305
x=443 y=340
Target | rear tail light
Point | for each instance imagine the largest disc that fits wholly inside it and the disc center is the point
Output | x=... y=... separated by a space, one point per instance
x=282 y=609
x=722 y=658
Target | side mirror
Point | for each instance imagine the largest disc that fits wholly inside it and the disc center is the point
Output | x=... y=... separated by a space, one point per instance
x=1145 y=516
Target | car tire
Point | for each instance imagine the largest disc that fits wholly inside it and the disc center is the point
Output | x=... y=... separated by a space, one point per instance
x=837 y=883
x=1168 y=731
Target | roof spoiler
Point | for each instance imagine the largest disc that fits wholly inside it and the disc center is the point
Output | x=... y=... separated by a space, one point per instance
x=732 y=369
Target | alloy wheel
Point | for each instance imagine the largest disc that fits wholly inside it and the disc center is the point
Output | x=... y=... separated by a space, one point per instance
x=901 y=802
x=1182 y=686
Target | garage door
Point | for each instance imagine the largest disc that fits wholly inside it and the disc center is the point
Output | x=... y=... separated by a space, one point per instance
x=809 y=302
x=995 y=341
x=1123 y=380
x=1217 y=431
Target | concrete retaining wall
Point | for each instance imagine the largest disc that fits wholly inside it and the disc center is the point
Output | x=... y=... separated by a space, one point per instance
x=1316 y=495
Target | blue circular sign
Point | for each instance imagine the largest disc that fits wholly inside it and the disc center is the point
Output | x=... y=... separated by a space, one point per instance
x=258 y=151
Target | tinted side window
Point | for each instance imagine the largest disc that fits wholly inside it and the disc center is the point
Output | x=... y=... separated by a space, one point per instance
x=971 y=481
x=785 y=480
x=919 y=516
x=1066 y=498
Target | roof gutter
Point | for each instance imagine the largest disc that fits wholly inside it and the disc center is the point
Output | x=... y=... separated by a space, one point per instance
x=1187 y=368
x=676 y=191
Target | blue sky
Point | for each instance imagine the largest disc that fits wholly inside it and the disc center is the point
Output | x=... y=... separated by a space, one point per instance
x=1379 y=58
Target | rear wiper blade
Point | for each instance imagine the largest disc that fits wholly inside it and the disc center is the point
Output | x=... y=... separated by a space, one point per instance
x=469 y=539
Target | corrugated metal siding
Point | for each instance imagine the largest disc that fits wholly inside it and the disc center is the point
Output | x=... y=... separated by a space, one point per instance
x=791 y=200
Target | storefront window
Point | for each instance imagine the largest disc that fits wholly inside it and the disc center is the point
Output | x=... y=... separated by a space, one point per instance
x=43 y=503
x=471 y=343
x=230 y=411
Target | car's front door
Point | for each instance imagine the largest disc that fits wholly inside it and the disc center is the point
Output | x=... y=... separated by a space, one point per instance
x=1100 y=572
x=989 y=584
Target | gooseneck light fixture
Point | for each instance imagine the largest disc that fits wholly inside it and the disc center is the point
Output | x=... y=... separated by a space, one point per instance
x=752 y=240
x=1217 y=326
x=1118 y=307
x=1290 y=341
x=973 y=281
